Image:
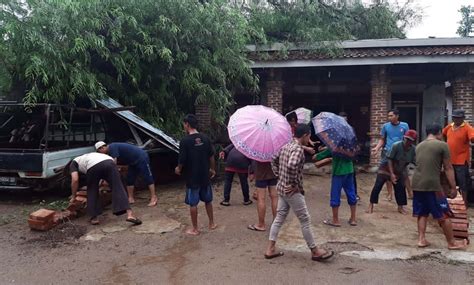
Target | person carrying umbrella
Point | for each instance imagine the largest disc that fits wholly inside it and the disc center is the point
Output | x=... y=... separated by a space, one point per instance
x=259 y=132
x=341 y=143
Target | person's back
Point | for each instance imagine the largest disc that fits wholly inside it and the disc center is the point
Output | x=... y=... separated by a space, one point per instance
x=429 y=160
x=290 y=165
x=197 y=149
x=126 y=153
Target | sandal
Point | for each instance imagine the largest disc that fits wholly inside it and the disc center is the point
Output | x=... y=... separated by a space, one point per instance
x=225 y=203
x=323 y=257
x=330 y=223
x=271 y=256
x=253 y=228
x=134 y=221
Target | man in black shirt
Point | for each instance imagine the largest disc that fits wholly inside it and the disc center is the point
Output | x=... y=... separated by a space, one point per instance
x=196 y=158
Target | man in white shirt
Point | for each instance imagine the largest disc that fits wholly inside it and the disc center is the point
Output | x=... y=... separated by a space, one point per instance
x=98 y=166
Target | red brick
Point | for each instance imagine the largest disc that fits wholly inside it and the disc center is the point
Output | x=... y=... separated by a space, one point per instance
x=42 y=215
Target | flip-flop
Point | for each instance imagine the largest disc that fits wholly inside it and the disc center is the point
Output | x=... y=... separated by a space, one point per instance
x=323 y=257
x=246 y=203
x=352 y=223
x=134 y=221
x=329 y=223
x=225 y=203
x=94 y=221
x=253 y=228
x=278 y=254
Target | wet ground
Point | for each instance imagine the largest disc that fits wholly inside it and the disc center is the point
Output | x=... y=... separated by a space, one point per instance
x=380 y=250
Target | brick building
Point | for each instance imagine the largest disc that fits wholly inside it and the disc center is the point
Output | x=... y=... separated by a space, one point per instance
x=424 y=78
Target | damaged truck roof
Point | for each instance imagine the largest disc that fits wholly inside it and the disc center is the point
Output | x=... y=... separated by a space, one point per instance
x=139 y=123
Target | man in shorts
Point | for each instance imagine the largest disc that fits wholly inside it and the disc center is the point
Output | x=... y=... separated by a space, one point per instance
x=196 y=159
x=431 y=156
x=458 y=135
x=138 y=164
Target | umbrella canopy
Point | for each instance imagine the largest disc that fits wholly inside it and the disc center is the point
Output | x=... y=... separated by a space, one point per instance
x=336 y=134
x=304 y=115
x=258 y=132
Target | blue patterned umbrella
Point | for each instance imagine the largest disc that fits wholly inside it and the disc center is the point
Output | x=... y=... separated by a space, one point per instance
x=336 y=134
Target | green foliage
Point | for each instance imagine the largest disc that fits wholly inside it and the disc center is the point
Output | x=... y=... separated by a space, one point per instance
x=304 y=21
x=164 y=56
x=160 y=56
x=466 y=25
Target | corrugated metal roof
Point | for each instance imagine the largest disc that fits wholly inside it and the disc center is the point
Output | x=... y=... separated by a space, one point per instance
x=138 y=122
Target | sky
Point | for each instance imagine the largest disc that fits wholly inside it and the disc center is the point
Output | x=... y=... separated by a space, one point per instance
x=440 y=19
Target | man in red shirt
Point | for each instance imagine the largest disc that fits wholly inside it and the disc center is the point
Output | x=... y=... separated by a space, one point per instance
x=458 y=135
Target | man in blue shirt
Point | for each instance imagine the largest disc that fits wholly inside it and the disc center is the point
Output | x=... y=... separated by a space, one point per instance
x=138 y=163
x=392 y=132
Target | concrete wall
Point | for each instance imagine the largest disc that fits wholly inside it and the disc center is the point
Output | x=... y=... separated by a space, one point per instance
x=434 y=98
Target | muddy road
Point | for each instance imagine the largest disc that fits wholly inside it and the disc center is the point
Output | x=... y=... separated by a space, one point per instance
x=380 y=250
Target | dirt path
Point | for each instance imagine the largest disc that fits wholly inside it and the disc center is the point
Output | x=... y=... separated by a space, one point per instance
x=115 y=253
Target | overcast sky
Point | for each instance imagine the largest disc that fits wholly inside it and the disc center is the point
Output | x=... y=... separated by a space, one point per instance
x=440 y=19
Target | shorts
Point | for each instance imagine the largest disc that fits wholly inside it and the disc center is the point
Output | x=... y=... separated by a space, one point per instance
x=142 y=167
x=194 y=195
x=463 y=179
x=431 y=202
x=266 y=183
x=338 y=183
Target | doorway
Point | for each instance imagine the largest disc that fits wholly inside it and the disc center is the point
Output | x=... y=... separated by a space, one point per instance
x=410 y=114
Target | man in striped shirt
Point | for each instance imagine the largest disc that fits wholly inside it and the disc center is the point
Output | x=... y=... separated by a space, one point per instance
x=288 y=166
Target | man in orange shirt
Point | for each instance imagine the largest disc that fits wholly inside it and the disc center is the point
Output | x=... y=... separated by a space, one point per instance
x=458 y=135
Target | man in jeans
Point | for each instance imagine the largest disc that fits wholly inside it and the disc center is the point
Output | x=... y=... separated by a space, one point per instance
x=288 y=166
x=458 y=135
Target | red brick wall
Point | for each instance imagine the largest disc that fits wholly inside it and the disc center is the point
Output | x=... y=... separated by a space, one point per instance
x=274 y=94
x=463 y=94
x=379 y=106
x=203 y=115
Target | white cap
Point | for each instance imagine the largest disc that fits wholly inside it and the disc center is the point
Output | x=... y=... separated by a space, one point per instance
x=99 y=144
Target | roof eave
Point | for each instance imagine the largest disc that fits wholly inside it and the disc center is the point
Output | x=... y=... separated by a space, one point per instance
x=364 y=61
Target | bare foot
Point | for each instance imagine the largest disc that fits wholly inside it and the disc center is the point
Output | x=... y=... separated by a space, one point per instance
x=153 y=202
x=402 y=211
x=212 y=227
x=370 y=209
x=457 y=245
x=131 y=201
x=423 y=243
x=192 y=232
x=389 y=198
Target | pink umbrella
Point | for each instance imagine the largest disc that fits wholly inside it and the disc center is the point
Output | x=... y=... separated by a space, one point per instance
x=258 y=132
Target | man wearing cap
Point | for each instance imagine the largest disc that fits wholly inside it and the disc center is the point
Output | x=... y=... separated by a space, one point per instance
x=138 y=163
x=401 y=154
x=458 y=135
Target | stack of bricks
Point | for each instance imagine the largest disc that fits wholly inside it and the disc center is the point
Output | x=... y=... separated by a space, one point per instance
x=463 y=94
x=379 y=106
x=203 y=115
x=459 y=221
